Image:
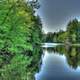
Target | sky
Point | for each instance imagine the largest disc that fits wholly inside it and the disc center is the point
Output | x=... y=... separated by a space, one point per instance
x=55 y=14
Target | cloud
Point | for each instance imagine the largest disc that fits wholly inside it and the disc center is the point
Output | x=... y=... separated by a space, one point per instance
x=56 y=14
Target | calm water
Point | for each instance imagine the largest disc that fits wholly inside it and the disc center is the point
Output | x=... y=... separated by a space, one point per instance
x=59 y=62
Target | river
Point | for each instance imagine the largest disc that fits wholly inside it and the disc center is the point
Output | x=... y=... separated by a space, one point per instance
x=59 y=62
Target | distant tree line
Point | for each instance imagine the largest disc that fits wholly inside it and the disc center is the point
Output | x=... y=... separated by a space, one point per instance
x=71 y=35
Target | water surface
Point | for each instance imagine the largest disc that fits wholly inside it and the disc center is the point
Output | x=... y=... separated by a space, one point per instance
x=59 y=62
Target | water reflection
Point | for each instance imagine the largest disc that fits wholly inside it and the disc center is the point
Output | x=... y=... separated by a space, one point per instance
x=60 y=63
x=72 y=54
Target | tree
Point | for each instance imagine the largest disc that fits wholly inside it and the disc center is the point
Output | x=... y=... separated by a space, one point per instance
x=20 y=38
x=72 y=30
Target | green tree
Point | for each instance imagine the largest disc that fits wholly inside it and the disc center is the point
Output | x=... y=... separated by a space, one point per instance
x=20 y=38
x=72 y=30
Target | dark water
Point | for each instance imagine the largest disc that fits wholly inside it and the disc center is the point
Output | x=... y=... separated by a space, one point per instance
x=59 y=62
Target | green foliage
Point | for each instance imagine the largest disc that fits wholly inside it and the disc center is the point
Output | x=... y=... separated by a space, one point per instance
x=17 y=69
x=20 y=38
x=62 y=37
x=71 y=35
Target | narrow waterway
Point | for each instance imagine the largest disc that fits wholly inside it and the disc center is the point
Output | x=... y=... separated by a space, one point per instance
x=59 y=63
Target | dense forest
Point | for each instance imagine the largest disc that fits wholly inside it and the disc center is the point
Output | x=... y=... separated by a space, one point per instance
x=20 y=38
x=71 y=35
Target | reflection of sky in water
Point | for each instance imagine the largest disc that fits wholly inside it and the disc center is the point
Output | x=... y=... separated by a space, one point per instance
x=50 y=44
x=55 y=67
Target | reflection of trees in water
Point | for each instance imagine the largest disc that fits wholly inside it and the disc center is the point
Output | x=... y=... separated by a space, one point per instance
x=50 y=49
x=72 y=57
x=72 y=54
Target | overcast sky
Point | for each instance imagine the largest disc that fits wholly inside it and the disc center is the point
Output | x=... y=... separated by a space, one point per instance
x=55 y=14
